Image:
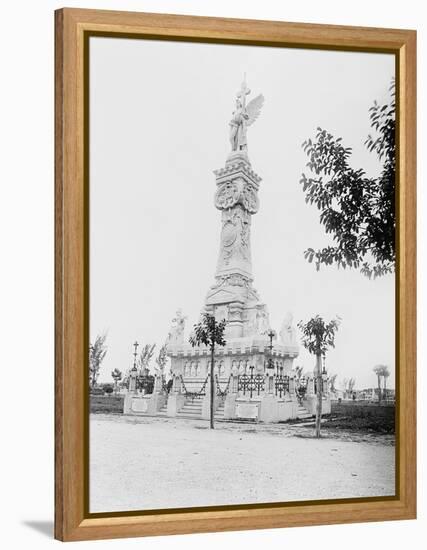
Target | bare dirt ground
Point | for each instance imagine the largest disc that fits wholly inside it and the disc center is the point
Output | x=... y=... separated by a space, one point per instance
x=139 y=463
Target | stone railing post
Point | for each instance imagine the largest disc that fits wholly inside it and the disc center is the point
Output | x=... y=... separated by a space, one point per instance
x=157 y=384
x=292 y=386
x=234 y=383
x=268 y=383
x=132 y=381
x=176 y=384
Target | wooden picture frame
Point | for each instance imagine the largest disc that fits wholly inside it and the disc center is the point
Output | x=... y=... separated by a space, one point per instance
x=73 y=28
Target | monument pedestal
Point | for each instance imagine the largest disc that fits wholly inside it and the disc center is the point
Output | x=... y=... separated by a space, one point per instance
x=287 y=409
x=230 y=406
x=269 y=409
x=175 y=403
x=139 y=404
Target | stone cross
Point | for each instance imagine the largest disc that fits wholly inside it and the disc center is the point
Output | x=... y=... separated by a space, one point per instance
x=244 y=91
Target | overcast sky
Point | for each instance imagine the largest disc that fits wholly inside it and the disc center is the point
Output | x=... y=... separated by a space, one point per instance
x=159 y=114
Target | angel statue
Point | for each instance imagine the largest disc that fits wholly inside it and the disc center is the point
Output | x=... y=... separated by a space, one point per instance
x=287 y=332
x=262 y=320
x=243 y=116
x=176 y=332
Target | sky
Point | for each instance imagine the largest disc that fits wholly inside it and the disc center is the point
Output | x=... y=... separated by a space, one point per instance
x=159 y=114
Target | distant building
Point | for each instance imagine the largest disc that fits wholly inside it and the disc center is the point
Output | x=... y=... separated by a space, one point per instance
x=371 y=394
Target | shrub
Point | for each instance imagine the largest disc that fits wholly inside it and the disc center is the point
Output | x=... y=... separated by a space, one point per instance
x=96 y=391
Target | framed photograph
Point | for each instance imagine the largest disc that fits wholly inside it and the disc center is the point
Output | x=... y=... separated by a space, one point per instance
x=235 y=274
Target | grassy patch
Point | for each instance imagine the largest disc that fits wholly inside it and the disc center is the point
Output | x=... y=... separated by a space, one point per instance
x=106 y=404
x=362 y=417
x=369 y=423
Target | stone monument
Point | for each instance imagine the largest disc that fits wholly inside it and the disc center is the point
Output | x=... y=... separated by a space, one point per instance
x=232 y=296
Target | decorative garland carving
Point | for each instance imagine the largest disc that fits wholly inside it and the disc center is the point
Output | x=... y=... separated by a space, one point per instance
x=237 y=191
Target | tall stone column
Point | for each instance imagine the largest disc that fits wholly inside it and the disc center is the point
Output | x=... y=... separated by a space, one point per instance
x=237 y=199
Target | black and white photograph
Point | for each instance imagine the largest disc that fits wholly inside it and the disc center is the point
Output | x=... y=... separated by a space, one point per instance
x=242 y=296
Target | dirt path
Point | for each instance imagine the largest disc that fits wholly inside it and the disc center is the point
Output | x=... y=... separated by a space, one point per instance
x=146 y=463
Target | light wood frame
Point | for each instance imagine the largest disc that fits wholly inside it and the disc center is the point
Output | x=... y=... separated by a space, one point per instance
x=72 y=521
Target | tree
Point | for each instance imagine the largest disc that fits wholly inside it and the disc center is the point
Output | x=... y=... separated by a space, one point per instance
x=145 y=357
x=117 y=376
x=299 y=371
x=358 y=211
x=317 y=337
x=379 y=371
x=332 y=381
x=351 y=385
x=162 y=358
x=386 y=374
x=97 y=352
x=209 y=332
x=345 y=386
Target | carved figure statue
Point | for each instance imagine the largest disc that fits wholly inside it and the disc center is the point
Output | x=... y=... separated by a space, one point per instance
x=234 y=369
x=243 y=116
x=234 y=192
x=176 y=332
x=287 y=332
x=262 y=321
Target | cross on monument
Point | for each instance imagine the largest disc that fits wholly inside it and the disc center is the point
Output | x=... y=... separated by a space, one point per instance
x=135 y=353
x=244 y=91
x=271 y=334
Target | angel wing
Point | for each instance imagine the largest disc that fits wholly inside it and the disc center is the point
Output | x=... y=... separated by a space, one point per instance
x=253 y=108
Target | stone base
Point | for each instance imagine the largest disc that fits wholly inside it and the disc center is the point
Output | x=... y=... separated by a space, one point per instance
x=310 y=403
x=265 y=408
x=268 y=409
x=230 y=406
x=239 y=354
x=139 y=404
x=326 y=405
x=273 y=409
x=287 y=410
x=247 y=409
x=175 y=403
x=206 y=405
x=236 y=157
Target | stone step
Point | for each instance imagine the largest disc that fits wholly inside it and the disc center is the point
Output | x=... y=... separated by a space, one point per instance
x=192 y=412
x=302 y=413
x=195 y=399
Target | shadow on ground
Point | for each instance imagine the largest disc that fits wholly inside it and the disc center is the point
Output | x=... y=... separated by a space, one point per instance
x=43 y=527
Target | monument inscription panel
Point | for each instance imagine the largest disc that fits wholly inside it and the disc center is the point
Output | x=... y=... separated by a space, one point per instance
x=247 y=410
x=139 y=405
